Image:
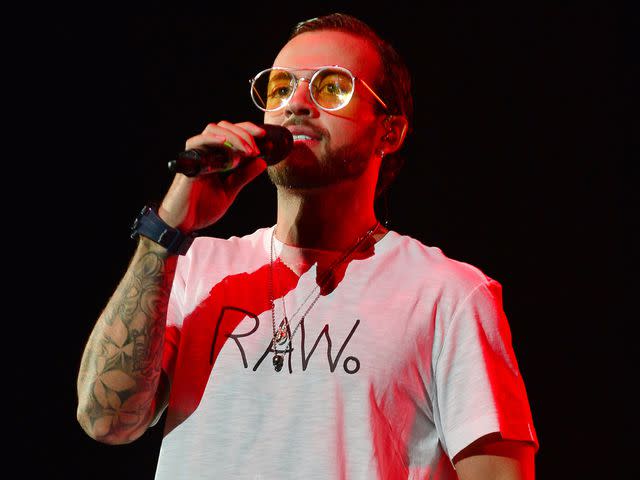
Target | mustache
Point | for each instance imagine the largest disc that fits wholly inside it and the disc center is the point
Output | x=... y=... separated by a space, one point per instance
x=301 y=122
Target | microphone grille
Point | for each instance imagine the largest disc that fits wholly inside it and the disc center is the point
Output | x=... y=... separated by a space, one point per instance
x=276 y=144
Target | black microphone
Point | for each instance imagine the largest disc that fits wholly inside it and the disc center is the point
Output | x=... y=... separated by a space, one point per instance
x=274 y=146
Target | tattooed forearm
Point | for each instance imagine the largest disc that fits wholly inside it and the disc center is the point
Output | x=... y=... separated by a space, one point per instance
x=121 y=364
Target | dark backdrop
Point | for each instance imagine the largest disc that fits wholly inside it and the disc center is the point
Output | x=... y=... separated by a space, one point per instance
x=515 y=165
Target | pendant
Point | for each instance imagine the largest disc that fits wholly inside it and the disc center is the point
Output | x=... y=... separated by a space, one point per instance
x=281 y=335
x=278 y=361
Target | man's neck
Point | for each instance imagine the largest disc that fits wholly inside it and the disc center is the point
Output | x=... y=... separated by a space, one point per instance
x=323 y=219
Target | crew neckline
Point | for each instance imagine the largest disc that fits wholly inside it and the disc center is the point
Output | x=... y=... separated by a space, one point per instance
x=279 y=247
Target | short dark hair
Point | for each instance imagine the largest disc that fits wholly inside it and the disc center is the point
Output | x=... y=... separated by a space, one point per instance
x=393 y=85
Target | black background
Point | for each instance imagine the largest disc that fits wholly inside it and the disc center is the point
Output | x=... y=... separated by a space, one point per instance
x=515 y=165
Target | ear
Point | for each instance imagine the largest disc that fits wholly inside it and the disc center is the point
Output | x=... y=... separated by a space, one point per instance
x=396 y=127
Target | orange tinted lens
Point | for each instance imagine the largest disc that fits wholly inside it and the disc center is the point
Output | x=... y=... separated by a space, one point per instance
x=332 y=88
x=272 y=88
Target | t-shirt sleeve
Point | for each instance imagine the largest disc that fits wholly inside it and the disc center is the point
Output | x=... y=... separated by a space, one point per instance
x=478 y=382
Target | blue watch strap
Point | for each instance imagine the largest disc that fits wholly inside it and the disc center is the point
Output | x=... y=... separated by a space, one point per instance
x=150 y=225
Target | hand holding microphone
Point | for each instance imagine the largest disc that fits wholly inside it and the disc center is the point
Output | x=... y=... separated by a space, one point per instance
x=241 y=150
x=274 y=146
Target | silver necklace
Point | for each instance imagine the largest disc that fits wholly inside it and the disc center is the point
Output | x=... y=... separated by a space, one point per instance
x=283 y=335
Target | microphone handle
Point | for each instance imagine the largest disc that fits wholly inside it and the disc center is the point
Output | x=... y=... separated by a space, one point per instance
x=196 y=162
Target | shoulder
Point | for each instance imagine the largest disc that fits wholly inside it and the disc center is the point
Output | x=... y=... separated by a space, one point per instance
x=433 y=266
x=208 y=244
x=235 y=252
x=255 y=238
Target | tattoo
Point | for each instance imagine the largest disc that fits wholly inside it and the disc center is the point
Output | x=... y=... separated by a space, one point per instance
x=122 y=362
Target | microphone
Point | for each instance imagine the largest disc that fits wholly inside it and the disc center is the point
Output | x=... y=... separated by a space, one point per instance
x=274 y=146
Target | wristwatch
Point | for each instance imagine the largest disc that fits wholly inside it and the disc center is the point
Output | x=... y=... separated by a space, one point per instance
x=150 y=225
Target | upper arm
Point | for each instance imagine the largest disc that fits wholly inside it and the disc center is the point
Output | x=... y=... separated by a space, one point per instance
x=492 y=457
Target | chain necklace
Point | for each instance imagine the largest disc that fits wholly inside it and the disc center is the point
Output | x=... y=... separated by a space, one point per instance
x=283 y=335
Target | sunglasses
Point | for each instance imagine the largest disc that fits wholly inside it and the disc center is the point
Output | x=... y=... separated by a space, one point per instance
x=331 y=87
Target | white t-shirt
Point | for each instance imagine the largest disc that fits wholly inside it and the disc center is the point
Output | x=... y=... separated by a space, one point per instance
x=399 y=364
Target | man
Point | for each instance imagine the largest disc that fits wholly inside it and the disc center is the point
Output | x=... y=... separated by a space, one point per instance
x=325 y=346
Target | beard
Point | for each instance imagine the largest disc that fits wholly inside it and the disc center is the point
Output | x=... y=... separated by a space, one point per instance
x=304 y=170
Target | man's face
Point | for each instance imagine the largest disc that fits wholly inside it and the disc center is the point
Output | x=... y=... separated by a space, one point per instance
x=342 y=142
